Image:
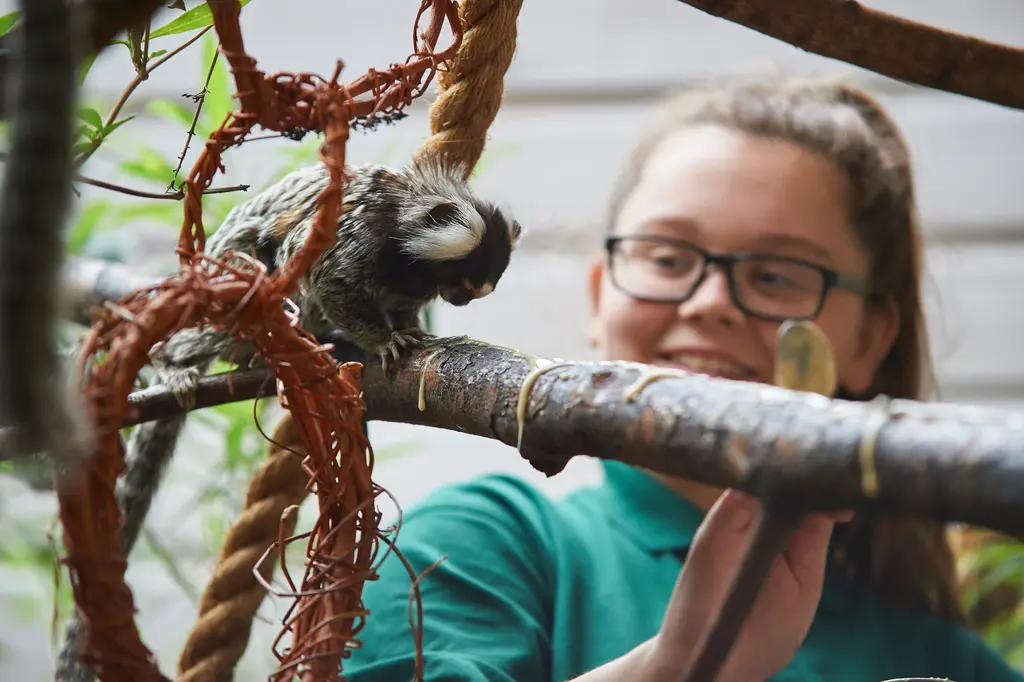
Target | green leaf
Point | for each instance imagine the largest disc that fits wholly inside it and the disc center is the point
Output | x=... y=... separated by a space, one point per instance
x=116 y=124
x=158 y=53
x=162 y=212
x=217 y=103
x=9 y=20
x=80 y=147
x=91 y=117
x=87 y=224
x=194 y=19
x=169 y=110
x=84 y=67
x=149 y=164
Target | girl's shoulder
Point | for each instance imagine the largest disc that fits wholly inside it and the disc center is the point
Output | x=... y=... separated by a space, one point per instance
x=894 y=641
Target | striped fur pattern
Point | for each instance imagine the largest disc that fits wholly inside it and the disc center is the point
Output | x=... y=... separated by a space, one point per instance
x=405 y=237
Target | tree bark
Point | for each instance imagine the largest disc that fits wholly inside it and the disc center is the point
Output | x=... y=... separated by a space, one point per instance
x=885 y=44
x=800 y=451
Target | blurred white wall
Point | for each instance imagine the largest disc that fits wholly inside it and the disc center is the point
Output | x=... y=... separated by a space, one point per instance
x=586 y=76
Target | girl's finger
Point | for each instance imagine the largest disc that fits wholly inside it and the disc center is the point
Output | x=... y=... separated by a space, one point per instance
x=734 y=511
x=807 y=551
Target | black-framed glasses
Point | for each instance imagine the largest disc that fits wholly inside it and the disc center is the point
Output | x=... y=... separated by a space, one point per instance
x=664 y=270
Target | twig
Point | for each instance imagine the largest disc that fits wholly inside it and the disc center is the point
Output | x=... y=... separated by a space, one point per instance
x=173 y=196
x=884 y=43
x=127 y=93
x=195 y=117
x=88 y=283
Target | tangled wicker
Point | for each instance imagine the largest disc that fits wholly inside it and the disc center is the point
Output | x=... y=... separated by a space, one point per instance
x=323 y=402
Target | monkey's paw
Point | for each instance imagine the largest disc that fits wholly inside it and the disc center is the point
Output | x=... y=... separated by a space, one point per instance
x=400 y=340
x=183 y=385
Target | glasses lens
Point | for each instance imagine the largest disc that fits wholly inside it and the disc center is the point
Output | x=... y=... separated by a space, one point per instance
x=778 y=288
x=650 y=268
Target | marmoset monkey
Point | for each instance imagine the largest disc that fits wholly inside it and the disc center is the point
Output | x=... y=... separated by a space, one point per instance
x=405 y=237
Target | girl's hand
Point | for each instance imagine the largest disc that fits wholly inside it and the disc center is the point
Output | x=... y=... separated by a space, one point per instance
x=782 y=614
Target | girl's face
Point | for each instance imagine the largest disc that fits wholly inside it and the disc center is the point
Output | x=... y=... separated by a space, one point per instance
x=731 y=192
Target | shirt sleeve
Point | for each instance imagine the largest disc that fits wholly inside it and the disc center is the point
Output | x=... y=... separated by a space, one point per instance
x=486 y=606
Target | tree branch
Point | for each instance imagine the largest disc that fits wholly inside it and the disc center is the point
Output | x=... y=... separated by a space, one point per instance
x=884 y=43
x=168 y=195
x=88 y=283
x=800 y=451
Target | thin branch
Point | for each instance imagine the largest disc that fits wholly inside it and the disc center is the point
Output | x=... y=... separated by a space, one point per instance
x=88 y=283
x=884 y=43
x=201 y=99
x=129 y=90
x=173 y=196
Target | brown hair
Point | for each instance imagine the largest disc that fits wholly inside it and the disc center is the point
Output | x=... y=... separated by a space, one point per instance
x=909 y=561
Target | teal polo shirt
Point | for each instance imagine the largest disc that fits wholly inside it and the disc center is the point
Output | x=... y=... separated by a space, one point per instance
x=538 y=589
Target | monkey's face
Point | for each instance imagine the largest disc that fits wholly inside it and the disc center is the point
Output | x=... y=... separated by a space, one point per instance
x=476 y=276
x=467 y=279
x=462 y=293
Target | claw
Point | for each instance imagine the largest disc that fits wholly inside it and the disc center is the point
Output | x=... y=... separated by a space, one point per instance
x=399 y=340
x=183 y=385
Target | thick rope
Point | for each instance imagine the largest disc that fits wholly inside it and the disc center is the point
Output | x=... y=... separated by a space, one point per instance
x=470 y=91
x=221 y=632
x=470 y=94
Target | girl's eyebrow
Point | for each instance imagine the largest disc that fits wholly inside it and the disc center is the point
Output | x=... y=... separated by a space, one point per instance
x=685 y=228
x=784 y=239
x=689 y=229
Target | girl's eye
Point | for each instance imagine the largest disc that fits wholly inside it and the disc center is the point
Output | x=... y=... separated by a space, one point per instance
x=773 y=279
x=785 y=276
x=671 y=260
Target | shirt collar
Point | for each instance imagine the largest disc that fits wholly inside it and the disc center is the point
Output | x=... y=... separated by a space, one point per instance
x=660 y=521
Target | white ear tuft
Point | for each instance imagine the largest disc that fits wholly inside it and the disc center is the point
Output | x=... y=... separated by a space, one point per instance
x=515 y=232
x=450 y=231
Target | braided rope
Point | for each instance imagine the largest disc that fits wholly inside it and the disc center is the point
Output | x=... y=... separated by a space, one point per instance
x=470 y=90
x=470 y=96
x=233 y=595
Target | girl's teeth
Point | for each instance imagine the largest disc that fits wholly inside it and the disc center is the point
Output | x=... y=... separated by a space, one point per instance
x=709 y=366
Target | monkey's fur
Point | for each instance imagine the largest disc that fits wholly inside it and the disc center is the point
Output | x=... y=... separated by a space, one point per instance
x=404 y=237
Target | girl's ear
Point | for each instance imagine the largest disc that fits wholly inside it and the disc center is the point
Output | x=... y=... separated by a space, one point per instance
x=878 y=332
x=595 y=274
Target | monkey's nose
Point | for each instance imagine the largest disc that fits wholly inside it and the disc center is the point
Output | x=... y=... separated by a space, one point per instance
x=484 y=290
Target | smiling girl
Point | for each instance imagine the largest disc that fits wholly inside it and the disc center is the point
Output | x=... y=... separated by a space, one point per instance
x=744 y=206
